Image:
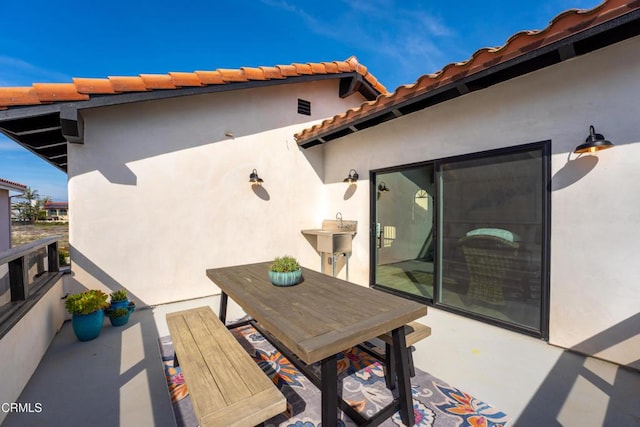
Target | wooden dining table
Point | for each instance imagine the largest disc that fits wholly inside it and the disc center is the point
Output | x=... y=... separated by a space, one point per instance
x=320 y=317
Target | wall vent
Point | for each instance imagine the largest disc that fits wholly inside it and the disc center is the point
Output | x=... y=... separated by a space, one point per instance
x=304 y=107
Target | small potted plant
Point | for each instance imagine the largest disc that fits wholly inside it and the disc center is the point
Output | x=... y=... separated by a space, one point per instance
x=119 y=299
x=119 y=316
x=87 y=313
x=285 y=271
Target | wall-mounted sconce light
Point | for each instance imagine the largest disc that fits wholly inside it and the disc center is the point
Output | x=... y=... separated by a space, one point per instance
x=254 y=178
x=353 y=177
x=594 y=142
x=383 y=187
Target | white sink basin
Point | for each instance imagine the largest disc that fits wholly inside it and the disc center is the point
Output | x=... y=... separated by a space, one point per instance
x=330 y=241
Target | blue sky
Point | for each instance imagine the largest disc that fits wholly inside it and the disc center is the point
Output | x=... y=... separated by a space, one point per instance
x=397 y=40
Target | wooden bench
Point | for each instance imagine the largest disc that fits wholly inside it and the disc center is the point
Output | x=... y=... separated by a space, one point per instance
x=226 y=386
x=414 y=332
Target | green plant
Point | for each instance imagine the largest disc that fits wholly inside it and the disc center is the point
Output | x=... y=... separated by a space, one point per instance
x=62 y=257
x=118 y=312
x=284 y=264
x=86 y=302
x=119 y=295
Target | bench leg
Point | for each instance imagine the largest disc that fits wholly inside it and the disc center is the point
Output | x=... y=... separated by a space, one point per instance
x=401 y=352
x=329 y=390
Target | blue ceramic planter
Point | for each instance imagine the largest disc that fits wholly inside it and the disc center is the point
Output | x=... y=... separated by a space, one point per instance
x=87 y=326
x=120 y=304
x=287 y=278
x=122 y=320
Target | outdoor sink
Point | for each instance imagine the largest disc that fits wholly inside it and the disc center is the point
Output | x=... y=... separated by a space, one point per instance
x=331 y=242
x=334 y=236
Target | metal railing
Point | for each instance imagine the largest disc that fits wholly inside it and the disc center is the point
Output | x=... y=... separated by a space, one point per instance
x=26 y=266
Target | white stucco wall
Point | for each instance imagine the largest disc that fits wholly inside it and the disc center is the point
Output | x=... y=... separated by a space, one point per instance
x=595 y=297
x=25 y=344
x=160 y=194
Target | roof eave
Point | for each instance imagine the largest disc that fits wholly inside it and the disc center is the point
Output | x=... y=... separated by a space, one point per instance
x=60 y=122
x=617 y=29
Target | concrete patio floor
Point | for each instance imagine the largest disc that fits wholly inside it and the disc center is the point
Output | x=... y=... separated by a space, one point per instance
x=117 y=379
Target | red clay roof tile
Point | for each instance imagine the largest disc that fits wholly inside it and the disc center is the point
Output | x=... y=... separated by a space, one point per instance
x=128 y=84
x=83 y=88
x=13 y=184
x=157 y=81
x=563 y=25
x=253 y=73
x=210 y=77
x=96 y=86
x=51 y=92
x=185 y=79
x=18 y=96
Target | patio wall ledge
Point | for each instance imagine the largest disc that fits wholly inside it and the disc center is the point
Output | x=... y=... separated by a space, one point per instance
x=24 y=345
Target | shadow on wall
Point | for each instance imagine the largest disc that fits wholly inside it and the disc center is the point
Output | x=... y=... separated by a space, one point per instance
x=79 y=259
x=261 y=192
x=573 y=171
x=545 y=407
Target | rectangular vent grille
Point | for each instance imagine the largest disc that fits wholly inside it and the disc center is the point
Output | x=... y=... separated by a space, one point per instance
x=304 y=107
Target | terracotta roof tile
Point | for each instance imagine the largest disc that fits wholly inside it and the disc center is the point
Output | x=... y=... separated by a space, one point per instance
x=253 y=73
x=563 y=25
x=186 y=79
x=18 y=96
x=272 y=73
x=51 y=92
x=83 y=88
x=157 y=81
x=232 y=75
x=97 y=86
x=13 y=184
x=210 y=77
x=331 y=67
x=128 y=84
x=303 y=68
x=288 y=70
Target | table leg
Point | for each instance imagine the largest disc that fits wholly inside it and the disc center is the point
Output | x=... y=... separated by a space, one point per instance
x=329 y=390
x=404 y=381
x=223 y=307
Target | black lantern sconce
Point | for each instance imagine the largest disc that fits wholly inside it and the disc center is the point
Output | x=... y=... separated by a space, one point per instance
x=594 y=142
x=353 y=177
x=383 y=187
x=254 y=178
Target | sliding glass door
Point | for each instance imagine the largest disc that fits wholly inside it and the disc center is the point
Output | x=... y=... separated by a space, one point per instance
x=468 y=234
x=404 y=231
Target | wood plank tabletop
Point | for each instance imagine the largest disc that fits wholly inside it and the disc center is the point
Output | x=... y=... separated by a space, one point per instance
x=318 y=317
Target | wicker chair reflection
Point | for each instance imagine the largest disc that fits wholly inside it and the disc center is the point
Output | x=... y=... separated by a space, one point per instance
x=489 y=260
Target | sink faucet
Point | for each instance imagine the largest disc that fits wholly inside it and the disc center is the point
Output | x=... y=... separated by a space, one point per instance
x=339 y=216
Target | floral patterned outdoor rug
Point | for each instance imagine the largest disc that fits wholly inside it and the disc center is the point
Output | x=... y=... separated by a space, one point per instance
x=435 y=403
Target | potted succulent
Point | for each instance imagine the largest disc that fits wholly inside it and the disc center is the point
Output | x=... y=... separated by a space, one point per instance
x=87 y=313
x=285 y=271
x=119 y=299
x=119 y=316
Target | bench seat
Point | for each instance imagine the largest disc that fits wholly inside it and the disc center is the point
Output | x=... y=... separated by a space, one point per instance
x=226 y=386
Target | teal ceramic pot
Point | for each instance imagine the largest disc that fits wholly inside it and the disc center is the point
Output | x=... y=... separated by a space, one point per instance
x=87 y=326
x=122 y=320
x=119 y=304
x=288 y=278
